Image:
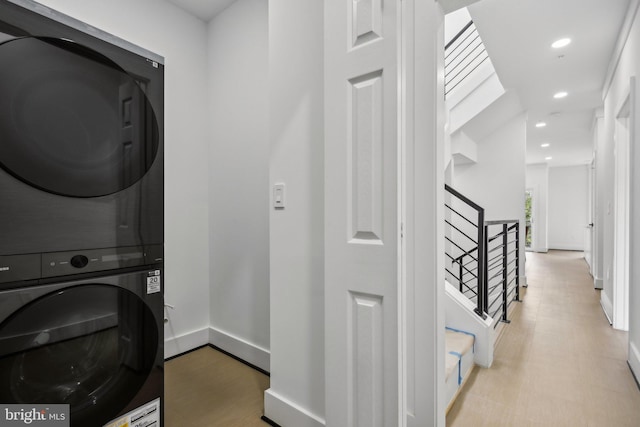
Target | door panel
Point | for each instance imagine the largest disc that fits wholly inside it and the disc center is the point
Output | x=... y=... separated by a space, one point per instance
x=361 y=212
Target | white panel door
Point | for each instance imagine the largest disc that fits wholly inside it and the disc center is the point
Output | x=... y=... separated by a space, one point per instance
x=361 y=213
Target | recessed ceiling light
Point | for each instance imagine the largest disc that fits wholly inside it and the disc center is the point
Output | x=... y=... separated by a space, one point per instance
x=560 y=95
x=545 y=145
x=540 y=124
x=548 y=158
x=560 y=43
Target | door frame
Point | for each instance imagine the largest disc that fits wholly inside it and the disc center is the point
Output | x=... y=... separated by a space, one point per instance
x=622 y=141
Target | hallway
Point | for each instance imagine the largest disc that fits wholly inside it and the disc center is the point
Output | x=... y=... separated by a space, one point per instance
x=559 y=363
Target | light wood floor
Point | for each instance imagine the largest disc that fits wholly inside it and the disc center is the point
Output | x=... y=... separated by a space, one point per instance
x=206 y=388
x=559 y=363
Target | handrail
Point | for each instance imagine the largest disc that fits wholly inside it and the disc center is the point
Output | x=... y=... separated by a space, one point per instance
x=457 y=36
x=463 y=198
x=491 y=277
x=479 y=279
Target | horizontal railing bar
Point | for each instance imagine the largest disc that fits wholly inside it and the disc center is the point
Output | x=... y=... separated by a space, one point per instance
x=494 y=249
x=471 y=239
x=473 y=259
x=468 y=253
x=448 y=239
x=496 y=312
x=461 y=216
x=448 y=90
x=494 y=303
x=497 y=257
x=494 y=237
x=468 y=64
x=494 y=268
x=463 y=267
x=458 y=35
x=469 y=49
x=464 y=46
x=455 y=276
x=493 y=288
x=501 y=222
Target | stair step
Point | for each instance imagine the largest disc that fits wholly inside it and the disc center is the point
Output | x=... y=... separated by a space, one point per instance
x=459 y=346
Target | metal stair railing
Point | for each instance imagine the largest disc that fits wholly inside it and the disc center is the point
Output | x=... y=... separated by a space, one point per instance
x=485 y=267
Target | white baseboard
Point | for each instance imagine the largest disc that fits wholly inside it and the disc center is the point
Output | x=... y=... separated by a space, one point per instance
x=607 y=306
x=286 y=413
x=566 y=247
x=598 y=283
x=634 y=360
x=240 y=348
x=183 y=343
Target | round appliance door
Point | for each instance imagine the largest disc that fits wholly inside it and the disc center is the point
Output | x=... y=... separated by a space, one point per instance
x=89 y=346
x=72 y=121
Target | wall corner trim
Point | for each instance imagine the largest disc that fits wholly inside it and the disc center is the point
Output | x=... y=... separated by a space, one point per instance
x=620 y=44
x=284 y=412
x=186 y=342
x=240 y=348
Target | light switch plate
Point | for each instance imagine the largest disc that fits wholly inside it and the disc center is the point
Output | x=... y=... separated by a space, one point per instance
x=278 y=196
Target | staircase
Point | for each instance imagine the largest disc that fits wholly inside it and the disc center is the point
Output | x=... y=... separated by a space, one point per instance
x=481 y=270
x=459 y=362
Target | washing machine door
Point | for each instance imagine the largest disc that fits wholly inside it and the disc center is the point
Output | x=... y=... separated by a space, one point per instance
x=89 y=346
x=72 y=122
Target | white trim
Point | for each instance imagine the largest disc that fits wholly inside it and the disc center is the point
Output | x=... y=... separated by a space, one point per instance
x=240 y=348
x=623 y=36
x=286 y=413
x=598 y=282
x=634 y=360
x=186 y=342
x=236 y=346
x=566 y=247
x=607 y=306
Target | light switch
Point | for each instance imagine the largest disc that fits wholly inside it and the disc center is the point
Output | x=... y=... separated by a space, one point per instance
x=278 y=196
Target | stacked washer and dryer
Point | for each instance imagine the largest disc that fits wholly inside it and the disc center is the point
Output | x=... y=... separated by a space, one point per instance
x=81 y=221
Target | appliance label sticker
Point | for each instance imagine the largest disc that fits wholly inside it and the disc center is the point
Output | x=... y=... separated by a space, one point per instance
x=153 y=282
x=145 y=416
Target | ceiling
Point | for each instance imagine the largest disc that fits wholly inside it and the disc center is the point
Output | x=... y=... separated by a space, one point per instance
x=518 y=37
x=203 y=9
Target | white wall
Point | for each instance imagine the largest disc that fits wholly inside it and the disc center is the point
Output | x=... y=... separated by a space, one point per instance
x=239 y=180
x=296 y=51
x=615 y=95
x=568 y=207
x=538 y=181
x=182 y=39
x=497 y=181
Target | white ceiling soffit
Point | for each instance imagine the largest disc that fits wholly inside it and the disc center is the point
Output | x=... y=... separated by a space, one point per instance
x=203 y=9
x=449 y=6
x=518 y=36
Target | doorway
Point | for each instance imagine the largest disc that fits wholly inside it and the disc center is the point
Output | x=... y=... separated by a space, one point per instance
x=528 y=214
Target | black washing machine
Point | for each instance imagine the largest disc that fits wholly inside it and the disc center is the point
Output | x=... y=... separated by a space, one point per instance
x=81 y=136
x=81 y=219
x=93 y=341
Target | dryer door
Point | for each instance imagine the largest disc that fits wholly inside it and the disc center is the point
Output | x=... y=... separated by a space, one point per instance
x=89 y=346
x=72 y=121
